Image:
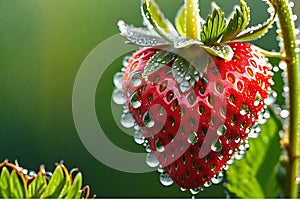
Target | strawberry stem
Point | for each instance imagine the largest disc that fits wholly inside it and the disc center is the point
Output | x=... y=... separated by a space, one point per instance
x=289 y=49
x=192 y=19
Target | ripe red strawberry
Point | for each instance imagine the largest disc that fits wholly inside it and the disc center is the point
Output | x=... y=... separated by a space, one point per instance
x=196 y=96
x=224 y=103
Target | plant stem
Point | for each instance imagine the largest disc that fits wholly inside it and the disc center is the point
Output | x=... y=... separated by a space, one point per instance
x=192 y=19
x=289 y=41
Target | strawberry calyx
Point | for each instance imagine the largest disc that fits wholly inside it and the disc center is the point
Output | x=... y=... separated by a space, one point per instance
x=193 y=36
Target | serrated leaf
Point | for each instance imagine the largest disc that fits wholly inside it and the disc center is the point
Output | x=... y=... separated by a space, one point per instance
x=157 y=61
x=17 y=188
x=222 y=50
x=237 y=23
x=260 y=30
x=56 y=184
x=4 y=183
x=75 y=188
x=155 y=18
x=255 y=175
x=140 y=36
x=37 y=186
x=214 y=27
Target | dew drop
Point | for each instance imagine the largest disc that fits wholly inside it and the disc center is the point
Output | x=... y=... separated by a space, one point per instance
x=138 y=137
x=160 y=169
x=182 y=189
x=231 y=161
x=284 y=114
x=192 y=138
x=127 y=120
x=207 y=184
x=136 y=79
x=184 y=86
x=125 y=61
x=148 y=120
x=195 y=191
x=135 y=100
x=118 y=96
x=237 y=139
x=216 y=179
x=152 y=160
x=118 y=80
x=216 y=145
x=222 y=130
x=165 y=179
x=239 y=155
x=159 y=145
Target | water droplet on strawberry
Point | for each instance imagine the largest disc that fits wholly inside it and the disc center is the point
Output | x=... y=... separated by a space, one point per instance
x=125 y=61
x=118 y=80
x=222 y=130
x=195 y=191
x=152 y=160
x=136 y=79
x=138 y=137
x=118 y=96
x=159 y=145
x=216 y=145
x=127 y=120
x=147 y=119
x=165 y=179
x=207 y=184
x=218 y=178
x=135 y=100
x=184 y=86
x=192 y=138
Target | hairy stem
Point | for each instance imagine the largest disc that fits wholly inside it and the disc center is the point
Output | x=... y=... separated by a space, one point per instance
x=289 y=40
x=192 y=19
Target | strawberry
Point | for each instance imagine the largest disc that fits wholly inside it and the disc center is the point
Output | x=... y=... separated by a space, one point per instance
x=195 y=95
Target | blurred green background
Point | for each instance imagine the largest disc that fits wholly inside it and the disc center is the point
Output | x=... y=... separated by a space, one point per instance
x=42 y=45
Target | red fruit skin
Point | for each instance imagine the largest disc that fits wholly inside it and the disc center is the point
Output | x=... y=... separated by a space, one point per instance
x=215 y=100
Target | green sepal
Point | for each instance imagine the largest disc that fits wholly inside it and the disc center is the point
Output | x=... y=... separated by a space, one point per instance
x=17 y=188
x=155 y=18
x=222 y=50
x=37 y=187
x=4 y=183
x=140 y=36
x=258 y=31
x=180 y=21
x=214 y=27
x=157 y=61
x=237 y=23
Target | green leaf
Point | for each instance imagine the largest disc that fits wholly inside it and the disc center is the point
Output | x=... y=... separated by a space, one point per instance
x=37 y=186
x=17 y=188
x=155 y=18
x=140 y=36
x=258 y=31
x=255 y=175
x=4 y=183
x=75 y=189
x=157 y=61
x=214 y=27
x=56 y=184
x=237 y=23
x=222 y=50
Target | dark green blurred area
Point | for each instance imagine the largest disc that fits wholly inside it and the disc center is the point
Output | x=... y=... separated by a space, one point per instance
x=42 y=45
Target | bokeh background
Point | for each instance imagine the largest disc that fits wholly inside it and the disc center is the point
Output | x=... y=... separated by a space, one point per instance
x=42 y=45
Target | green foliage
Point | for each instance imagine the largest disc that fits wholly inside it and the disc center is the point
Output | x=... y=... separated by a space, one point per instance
x=155 y=18
x=237 y=23
x=256 y=174
x=14 y=183
x=214 y=27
